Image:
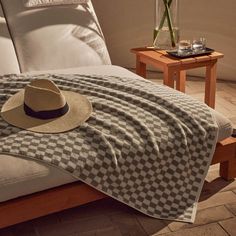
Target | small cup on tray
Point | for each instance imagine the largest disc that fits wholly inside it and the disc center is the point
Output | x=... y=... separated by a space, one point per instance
x=184 y=47
x=199 y=45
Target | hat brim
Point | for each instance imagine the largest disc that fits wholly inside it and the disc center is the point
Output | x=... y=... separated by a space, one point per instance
x=80 y=110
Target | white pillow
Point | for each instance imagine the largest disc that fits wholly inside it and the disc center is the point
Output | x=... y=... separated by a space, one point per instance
x=44 y=3
x=55 y=37
x=8 y=58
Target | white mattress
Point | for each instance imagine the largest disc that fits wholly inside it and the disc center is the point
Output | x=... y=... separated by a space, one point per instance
x=19 y=177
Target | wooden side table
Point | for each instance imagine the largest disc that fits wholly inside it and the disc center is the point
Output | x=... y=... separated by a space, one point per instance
x=175 y=69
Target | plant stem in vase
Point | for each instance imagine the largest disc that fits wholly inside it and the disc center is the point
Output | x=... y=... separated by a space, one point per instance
x=166 y=32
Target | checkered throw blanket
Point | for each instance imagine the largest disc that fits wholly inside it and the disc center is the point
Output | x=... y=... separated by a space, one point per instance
x=145 y=145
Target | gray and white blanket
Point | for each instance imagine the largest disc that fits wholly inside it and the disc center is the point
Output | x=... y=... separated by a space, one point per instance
x=145 y=145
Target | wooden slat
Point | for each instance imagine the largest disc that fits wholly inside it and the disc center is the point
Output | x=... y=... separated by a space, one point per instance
x=228 y=141
x=225 y=150
x=155 y=56
x=46 y=202
x=216 y=55
x=199 y=64
x=203 y=58
x=136 y=50
x=162 y=52
x=188 y=60
x=169 y=61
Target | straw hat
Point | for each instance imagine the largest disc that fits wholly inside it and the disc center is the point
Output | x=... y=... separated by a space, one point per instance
x=42 y=107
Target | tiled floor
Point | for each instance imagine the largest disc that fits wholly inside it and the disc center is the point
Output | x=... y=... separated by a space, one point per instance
x=216 y=215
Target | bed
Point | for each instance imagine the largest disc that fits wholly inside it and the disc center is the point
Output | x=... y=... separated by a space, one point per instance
x=25 y=184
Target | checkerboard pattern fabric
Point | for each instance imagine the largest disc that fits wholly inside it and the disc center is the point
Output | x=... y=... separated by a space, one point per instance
x=145 y=145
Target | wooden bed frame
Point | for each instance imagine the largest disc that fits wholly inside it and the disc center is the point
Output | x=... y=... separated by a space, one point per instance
x=70 y=195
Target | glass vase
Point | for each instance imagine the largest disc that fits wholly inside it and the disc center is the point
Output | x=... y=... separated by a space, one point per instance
x=166 y=31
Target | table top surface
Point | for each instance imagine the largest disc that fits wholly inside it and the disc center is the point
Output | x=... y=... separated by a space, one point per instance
x=163 y=57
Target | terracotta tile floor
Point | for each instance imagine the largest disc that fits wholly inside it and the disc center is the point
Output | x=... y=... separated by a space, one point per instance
x=216 y=215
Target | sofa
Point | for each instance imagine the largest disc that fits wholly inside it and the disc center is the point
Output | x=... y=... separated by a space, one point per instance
x=62 y=39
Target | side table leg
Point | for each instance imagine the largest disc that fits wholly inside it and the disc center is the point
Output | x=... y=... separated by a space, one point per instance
x=169 y=75
x=140 y=67
x=210 y=86
x=181 y=80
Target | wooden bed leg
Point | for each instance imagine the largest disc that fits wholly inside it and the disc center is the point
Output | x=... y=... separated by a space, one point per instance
x=225 y=154
x=228 y=169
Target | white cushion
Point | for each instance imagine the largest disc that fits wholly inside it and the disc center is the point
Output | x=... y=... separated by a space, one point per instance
x=19 y=176
x=56 y=37
x=40 y=3
x=224 y=124
x=8 y=59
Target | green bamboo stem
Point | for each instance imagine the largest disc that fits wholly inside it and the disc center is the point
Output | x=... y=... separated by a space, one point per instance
x=170 y=25
x=161 y=24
